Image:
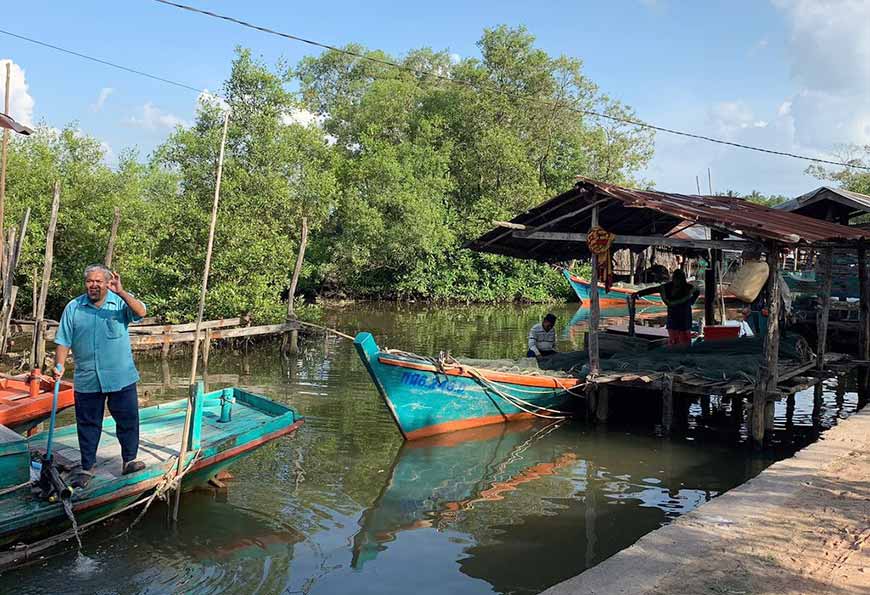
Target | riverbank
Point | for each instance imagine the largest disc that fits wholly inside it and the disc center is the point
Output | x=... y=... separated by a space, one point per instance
x=800 y=527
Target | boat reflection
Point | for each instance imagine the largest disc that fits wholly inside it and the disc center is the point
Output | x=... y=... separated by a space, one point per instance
x=574 y=329
x=523 y=506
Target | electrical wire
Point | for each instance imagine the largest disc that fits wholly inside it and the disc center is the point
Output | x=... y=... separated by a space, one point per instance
x=101 y=61
x=621 y=120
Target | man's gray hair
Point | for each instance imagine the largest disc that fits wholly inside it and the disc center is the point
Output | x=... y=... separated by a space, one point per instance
x=107 y=272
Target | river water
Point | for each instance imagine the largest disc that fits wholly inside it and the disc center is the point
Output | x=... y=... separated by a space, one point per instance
x=345 y=507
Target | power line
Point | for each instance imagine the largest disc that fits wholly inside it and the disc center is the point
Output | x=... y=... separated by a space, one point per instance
x=101 y=61
x=622 y=120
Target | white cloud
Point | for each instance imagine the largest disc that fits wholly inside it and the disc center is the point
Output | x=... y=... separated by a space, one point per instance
x=101 y=99
x=153 y=118
x=829 y=52
x=20 y=101
x=206 y=98
x=302 y=117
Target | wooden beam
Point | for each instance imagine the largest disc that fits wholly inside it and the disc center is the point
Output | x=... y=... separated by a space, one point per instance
x=558 y=236
x=300 y=257
x=767 y=377
x=113 y=236
x=826 y=262
x=159 y=329
x=710 y=291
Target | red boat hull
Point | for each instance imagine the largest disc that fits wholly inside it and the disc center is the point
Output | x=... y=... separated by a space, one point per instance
x=20 y=411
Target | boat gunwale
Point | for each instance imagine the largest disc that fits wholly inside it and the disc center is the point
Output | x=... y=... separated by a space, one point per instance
x=542 y=381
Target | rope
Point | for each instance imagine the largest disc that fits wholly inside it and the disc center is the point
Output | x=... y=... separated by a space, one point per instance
x=169 y=482
x=326 y=328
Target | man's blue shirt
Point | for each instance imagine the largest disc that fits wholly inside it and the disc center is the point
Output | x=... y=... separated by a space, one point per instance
x=100 y=343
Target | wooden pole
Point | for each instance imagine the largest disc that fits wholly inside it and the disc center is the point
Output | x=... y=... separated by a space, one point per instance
x=35 y=291
x=13 y=251
x=7 y=318
x=710 y=290
x=767 y=378
x=300 y=257
x=826 y=261
x=293 y=339
x=594 y=307
x=38 y=327
x=667 y=403
x=3 y=163
x=864 y=292
x=110 y=249
x=182 y=452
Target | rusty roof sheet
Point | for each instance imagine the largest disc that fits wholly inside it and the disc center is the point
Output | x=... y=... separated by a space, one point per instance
x=626 y=211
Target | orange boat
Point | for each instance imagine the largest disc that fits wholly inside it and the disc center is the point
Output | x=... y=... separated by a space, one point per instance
x=26 y=400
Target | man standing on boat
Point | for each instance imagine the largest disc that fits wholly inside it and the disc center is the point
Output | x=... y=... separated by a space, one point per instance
x=94 y=327
x=679 y=295
x=542 y=338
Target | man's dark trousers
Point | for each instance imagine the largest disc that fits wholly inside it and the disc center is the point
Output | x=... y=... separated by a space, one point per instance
x=124 y=407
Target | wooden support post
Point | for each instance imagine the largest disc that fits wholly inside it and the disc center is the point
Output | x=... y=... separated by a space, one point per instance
x=632 y=263
x=3 y=166
x=7 y=318
x=826 y=262
x=632 y=316
x=291 y=341
x=789 y=412
x=767 y=378
x=594 y=307
x=38 y=326
x=188 y=416
x=591 y=400
x=113 y=235
x=35 y=297
x=864 y=292
x=667 y=403
x=769 y=413
x=206 y=347
x=710 y=292
x=603 y=404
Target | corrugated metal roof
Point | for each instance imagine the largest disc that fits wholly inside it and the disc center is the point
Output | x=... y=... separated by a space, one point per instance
x=626 y=211
x=6 y=121
x=857 y=201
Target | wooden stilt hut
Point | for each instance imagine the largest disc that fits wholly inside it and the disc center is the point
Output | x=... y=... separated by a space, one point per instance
x=565 y=227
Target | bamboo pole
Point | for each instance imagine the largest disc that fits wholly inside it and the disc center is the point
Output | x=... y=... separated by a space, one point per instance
x=110 y=249
x=13 y=250
x=35 y=291
x=3 y=165
x=39 y=327
x=767 y=377
x=300 y=256
x=826 y=261
x=182 y=458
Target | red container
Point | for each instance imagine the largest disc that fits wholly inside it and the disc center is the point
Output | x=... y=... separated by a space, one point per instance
x=721 y=333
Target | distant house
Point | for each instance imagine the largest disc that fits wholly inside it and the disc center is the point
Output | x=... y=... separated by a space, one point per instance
x=830 y=204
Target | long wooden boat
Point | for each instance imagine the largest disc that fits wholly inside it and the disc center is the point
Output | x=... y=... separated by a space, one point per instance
x=433 y=481
x=252 y=421
x=24 y=402
x=617 y=293
x=427 y=399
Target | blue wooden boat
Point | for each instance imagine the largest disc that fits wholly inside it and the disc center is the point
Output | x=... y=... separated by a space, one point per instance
x=226 y=425
x=434 y=481
x=583 y=289
x=426 y=398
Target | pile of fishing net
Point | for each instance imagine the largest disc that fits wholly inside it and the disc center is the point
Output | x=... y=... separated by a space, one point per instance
x=714 y=360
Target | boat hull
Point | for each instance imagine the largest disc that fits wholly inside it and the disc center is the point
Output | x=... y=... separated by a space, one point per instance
x=255 y=421
x=583 y=289
x=425 y=401
x=20 y=411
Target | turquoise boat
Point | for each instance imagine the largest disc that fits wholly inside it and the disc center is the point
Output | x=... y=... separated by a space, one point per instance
x=427 y=397
x=620 y=292
x=226 y=425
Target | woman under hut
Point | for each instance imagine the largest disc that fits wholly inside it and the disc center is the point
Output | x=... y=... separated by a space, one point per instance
x=679 y=295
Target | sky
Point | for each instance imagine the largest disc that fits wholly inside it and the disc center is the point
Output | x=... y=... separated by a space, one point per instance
x=790 y=75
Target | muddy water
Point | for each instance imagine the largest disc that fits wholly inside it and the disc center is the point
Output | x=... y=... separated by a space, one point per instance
x=345 y=507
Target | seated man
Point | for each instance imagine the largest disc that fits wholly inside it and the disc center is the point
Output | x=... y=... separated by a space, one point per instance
x=679 y=295
x=542 y=337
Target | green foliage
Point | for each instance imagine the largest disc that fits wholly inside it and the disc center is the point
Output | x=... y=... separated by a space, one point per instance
x=768 y=200
x=856 y=180
x=396 y=172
